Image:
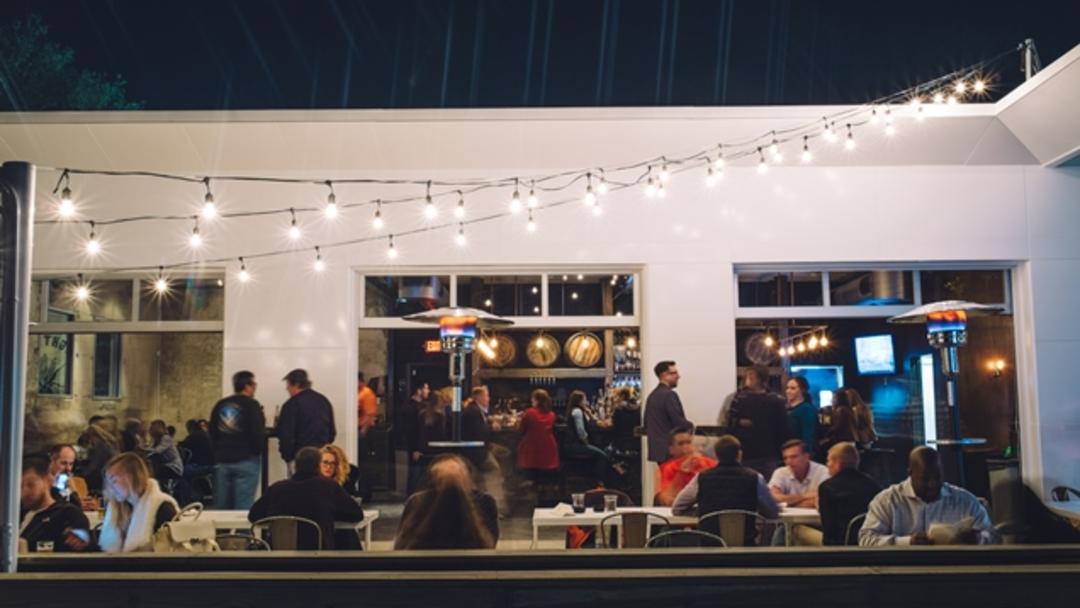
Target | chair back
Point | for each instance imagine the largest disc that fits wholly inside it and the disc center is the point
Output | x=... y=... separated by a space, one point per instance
x=284 y=532
x=630 y=529
x=685 y=538
x=851 y=535
x=738 y=528
x=241 y=542
x=594 y=499
x=1061 y=493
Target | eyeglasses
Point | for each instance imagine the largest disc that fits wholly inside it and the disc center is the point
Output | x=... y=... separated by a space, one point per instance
x=329 y=463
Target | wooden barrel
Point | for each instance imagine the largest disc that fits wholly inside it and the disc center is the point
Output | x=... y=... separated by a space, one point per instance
x=542 y=351
x=584 y=349
x=505 y=351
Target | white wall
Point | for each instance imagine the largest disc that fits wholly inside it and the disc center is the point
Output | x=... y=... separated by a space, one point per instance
x=687 y=245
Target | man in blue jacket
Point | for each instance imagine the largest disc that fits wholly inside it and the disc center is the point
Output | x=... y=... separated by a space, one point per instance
x=307 y=418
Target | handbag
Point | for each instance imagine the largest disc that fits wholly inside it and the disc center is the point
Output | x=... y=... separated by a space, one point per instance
x=186 y=535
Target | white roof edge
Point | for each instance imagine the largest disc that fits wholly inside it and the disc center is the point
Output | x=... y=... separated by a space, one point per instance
x=1039 y=79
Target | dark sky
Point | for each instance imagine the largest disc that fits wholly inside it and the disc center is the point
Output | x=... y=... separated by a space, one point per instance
x=217 y=54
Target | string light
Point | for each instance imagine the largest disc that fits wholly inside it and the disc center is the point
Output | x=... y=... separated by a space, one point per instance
x=161 y=284
x=531 y=225
x=209 y=209
x=719 y=164
x=824 y=341
x=806 y=156
x=460 y=238
x=774 y=150
x=532 y=201
x=66 y=208
x=377 y=222
x=829 y=134
x=429 y=204
x=196 y=239
x=331 y=209
x=650 y=185
x=459 y=211
x=710 y=173
x=665 y=174
x=951 y=100
x=82 y=289
x=849 y=143
x=960 y=87
x=602 y=185
x=244 y=276
x=939 y=97
x=874 y=118
x=661 y=191
x=769 y=340
x=762 y=166
x=294 y=229
x=812 y=343
x=319 y=264
x=979 y=86
x=890 y=128
x=590 y=197
x=515 y=200
x=391 y=251
x=93 y=245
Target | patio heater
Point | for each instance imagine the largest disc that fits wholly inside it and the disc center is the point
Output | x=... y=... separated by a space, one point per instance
x=946 y=330
x=457 y=336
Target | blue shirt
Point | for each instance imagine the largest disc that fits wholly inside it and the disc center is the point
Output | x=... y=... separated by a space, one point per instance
x=803 y=422
x=896 y=514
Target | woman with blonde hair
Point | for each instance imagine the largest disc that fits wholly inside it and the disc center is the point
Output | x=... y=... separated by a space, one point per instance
x=335 y=465
x=863 y=419
x=136 y=506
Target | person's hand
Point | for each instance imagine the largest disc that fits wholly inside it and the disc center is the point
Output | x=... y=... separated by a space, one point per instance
x=77 y=540
x=921 y=539
x=687 y=464
x=89 y=503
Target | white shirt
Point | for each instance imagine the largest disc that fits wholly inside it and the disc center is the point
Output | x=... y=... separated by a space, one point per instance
x=897 y=513
x=785 y=481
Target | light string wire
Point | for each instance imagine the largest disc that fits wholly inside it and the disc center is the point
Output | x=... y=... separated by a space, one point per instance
x=731 y=151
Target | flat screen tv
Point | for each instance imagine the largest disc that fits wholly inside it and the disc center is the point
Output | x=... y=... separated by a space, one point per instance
x=874 y=355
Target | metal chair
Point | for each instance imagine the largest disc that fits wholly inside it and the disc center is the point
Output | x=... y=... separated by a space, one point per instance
x=685 y=538
x=1061 y=493
x=738 y=527
x=284 y=532
x=630 y=528
x=851 y=535
x=241 y=542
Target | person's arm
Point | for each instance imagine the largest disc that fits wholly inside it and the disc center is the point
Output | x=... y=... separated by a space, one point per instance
x=877 y=529
x=345 y=508
x=256 y=430
x=286 y=432
x=666 y=495
x=686 y=500
x=165 y=513
x=330 y=412
x=676 y=416
x=258 y=510
x=982 y=526
x=766 y=505
x=579 y=426
x=832 y=533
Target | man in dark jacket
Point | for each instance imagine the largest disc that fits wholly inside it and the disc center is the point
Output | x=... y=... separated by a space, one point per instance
x=307 y=418
x=844 y=495
x=758 y=419
x=44 y=521
x=238 y=436
x=310 y=495
x=664 y=411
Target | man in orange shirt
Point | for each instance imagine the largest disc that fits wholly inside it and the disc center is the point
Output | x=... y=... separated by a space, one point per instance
x=683 y=464
x=367 y=406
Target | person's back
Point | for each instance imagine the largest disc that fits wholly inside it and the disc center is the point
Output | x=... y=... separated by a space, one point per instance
x=724 y=488
x=759 y=420
x=840 y=499
x=313 y=419
x=198 y=444
x=450 y=514
x=237 y=429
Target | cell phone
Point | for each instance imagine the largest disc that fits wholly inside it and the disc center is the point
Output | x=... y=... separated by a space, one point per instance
x=61 y=481
x=82 y=535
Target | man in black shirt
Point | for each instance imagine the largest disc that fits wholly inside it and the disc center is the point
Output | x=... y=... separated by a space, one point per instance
x=759 y=420
x=844 y=495
x=307 y=418
x=238 y=436
x=44 y=521
x=664 y=411
x=310 y=495
x=406 y=433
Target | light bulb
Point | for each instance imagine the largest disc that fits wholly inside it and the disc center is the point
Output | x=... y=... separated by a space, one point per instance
x=849 y=143
x=531 y=225
x=319 y=265
x=209 y=209
x=430 y=211
x=960 y=87
x=196 y=239
x=244 y=276
x=762 y=166
x=533 y=202
x=939 y=97
x=806 y=156
x=460 y=238
x=377 y=222
x=535 y=290
x=487 y=303
x=952 y=100
x=710 y=177
x=650 y=188
x=829 y=134
x=661 y=191
x=597 y=210
x=493 y=342
x=812 y=343
x=82 y=293
x=331 y=209
x=536 y=309
x=294 y=232
x=719 y=164
x=515 y=200
x=391 y=251
x=161 y=285
x=539 y=343
x=823 y=342
x=665 y=174
x=769 y=340
x=590 y=197
x=602 y=187
x=459 y=211
x=631 y=342
x=874 y=118
x=890 y=130
x=979 y=86
x=66 y=208
x=93 y=245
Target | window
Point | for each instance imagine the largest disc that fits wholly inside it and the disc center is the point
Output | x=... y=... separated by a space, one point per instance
x=508 y=296
x=107 y=300
x=51 y=358
x=107 y=366
x=590 y=295
x=189 y=299
x=982 y=286
x=870 y=288
x=780 y=289
x=404 y=295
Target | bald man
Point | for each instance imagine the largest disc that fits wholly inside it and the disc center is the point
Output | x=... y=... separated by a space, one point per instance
x=903 y=514
x=845 y=494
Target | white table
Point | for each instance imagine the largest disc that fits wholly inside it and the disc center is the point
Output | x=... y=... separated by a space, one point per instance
x=238 y=520
x=547 y=518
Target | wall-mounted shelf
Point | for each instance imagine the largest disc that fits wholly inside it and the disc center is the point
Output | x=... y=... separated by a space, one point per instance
x=541 y=372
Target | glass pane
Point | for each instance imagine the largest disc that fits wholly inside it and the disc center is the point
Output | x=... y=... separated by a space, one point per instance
x=510 y=296
x=983 y=286
x=107 y=365
x=780 y=289
x=190 y=299
x=49 y=368
x=400 y=296
x=103 y=300
x=591 y=295
x=870 y=288
x=35 y=301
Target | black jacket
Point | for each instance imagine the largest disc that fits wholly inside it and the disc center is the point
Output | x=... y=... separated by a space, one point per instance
x=317 y=498
x=759 y=421
x=51 y=525
x=727 y=487
x=663 y=414
x=307 y=419
x=840 y=499
x=198 y=443
x=237 y=429
x=474 y=427
x=405 y=429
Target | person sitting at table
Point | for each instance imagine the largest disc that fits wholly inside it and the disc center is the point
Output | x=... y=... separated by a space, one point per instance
x=101 y=445
x=577 y=443
x=450 y=513
x=845 y=494
x=728 y=485
x=136 y=506
x=42 y=519
x=66 y=485
x=164 y=457
x=924 y=510
x=335 y=465
x=796 y=483
x=538 y=452
x=683 y=463
x=310 y=495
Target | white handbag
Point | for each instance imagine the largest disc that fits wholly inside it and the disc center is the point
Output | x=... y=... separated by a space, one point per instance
x=186 y=535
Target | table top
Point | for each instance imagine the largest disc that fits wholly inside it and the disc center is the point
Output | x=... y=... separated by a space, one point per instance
x=547 y=517
x=1065 y=508
x=236 y=519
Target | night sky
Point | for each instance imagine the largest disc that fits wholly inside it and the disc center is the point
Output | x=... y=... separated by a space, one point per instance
x=220 y=54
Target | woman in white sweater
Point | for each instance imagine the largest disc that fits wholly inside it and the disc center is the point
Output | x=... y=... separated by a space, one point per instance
x=136 y=506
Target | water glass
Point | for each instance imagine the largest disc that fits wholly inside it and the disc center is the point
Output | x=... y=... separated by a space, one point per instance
x=578 y=501
x=610 y=502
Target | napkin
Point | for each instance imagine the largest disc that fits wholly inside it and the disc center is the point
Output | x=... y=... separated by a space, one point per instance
x=562 y=509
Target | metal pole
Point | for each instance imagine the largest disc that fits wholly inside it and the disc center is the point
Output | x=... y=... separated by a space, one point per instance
x=457 y=376
x=1029 y=50
x=950 y=363
x=16 y=241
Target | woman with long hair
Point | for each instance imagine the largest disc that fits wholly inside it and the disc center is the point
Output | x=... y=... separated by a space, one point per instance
x=432 y=425
x=135 y=506
x=841 y=423
x=801 y=413
x=164 y=458
x=335 y=465
x=449 y=514
x=538 y=452
x=577 y=439
x=863 y=419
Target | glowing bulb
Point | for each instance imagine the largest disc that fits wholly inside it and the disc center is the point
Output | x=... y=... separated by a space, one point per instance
x=319 y=264
x=531 y=225
x=650 y=188
x=487 y=303
x=979 y=86
x=244 y=276
x=710 y=177
x=590 y=197
x=93 y=245
x=823 y=342
x=82 y=293
x=66 y=208
x=874 y=118
x=209 y=210
x=602 y=187
x=769 y=341
x=665 y=174
x=960 y=87
x=719 y=164
x=430 y=211
x=829 y=134
x=515 y=200
x=294 y=232
x=331 y=209
x=939 y=97
x=533 y=202
x=597 y=210
x=952 y=100
x=849 y=143
x=459 y=211
x=460 y=238
x=391 y=251
x=806 y=156
x=196 y=239
x=631 y=342
x=536 y=309
x=762 y=166
x=161 y=285
x=493 y=342
x=812 y=343
x=539 y=343
x=573 y=295
x=661 y=191
x=377 y=222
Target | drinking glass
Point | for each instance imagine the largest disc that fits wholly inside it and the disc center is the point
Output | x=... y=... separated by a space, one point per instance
x=610 y=502
x=578 y=501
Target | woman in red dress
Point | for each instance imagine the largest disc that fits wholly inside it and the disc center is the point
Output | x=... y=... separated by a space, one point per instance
x=538 y=452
